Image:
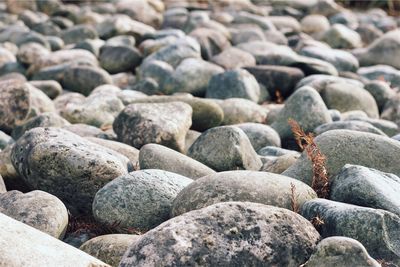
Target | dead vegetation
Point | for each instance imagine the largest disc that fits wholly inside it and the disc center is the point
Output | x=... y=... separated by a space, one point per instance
x=293 y=199
x=320 y=181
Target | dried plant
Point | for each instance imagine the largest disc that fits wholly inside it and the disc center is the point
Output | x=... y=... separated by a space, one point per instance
x=317 y=221
x=320 y=181
x=293 y=198
x=384 y=263
x=278 y=96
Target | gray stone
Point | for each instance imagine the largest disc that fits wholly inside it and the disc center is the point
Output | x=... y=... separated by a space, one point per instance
x=280 y=164
x=381 y=73
x=153 y=156
x=11 y=178
x=140 y=200
x=391 y=110
x=260 y=135
x=366 y=187
x=85 y=130
x=5 y=140
x=66 y=165
x=304 y=106
x=342 y=147
x=275 y=151
x=314 y=24
x=339 y=36
x=239 y=110
x=31 y=52
x=153 y=123
x=36 y=248
x=341 y=251
x=381 y=91
x=336 y=115
x=3 y=188
x=259 y=187
x=78 y=33
x=225 y=148
x=227 y=234
x=376 y=229
x=115 y=59
x=191 y=136
x=319 y=81
x=51 y=88
x=236 y=83
x=361 y=126
x=37 y=209
x=91 y=45
x=232 y=58
x=109 y=248
x=212 y=41
x=388 y=127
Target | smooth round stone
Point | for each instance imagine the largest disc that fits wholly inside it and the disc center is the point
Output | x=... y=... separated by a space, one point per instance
x=50 y=87
x=312 y=24
x=5 y=140
x=78 y=33
x=280 y=164
x=115 y=59
x=239 y=110
x=232 y=58
x=339 y=36
x=381 y=92
x=260 y=135
x=361 y=126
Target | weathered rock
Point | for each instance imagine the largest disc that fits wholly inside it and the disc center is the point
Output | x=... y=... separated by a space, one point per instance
x=357 y=222
x=232 y=58
x=3 y=188
x=340 y=251
x=381 y=73
x=115 y=59
x=36 y=248
x=314 y=24
x=339 y=36
x=109 y=248
x=11 y=178
x=153 y=124
x=388 y=127
x=225 y=148
x=140 y=200
x=85 y=130
x=391 y=110
x=5 y=140
x=51 y=88
x=260 y=135
x=212 y=42
x=153 y=156
x=66 y=165
x=239 y=110
x=280 y=164
x=260 y=187
x=228 y=234
x=78 y=33
x=275 y=151
x=381 y=91
x=37 y=209
x=361 y=126
x=342 y=147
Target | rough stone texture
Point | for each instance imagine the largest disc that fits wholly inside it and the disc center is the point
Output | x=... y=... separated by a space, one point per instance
x=227 y=234
x=260 y=187
x=51 y=88
x=239 y=110
x=153 y=156
x=260 y=135
x=376 y=229
x=66 y=165
x=160 y=123
x=280 y=164
x=140 y=200
x=381 y=91
x=2 y=185
x=339 y=36
x=366 y=187
x=5 y=140
x=10 y=176
x=342 y=147
x=304 y=106
x=225 y=148
x=35 y=248
x=391 y=110
x=360 y=126
x=85 y=130
x=109 y=248
x=341 y=251
x=232 y=58
x=115 y=59
x=37 y=209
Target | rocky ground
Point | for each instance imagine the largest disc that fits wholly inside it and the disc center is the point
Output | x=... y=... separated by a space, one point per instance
x=170 y=133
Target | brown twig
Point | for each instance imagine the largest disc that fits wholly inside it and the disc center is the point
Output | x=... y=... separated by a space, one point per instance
x=293 y=198
x=317 y=221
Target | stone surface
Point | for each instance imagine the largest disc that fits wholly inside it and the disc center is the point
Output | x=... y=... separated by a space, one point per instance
x=231 y=234
x=360 y=126
x=239 y=110
x=115 y=59
x=232 y=58
x=260 y=135
x=5 y=140
x=340 y=36
x=280 y=164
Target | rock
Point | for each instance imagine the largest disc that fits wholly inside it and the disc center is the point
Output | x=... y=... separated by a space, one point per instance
x=341 y=251
x=2 y=186
x=236 y=83
x=246 y=17
x=230 y=234
x=346 y=97
x=37 y=209
x=361 y=126
x=339 y=36
x=276 y=151
x=280 y=164
x=212 y=42
x=304 y=106
x=232 y=58
x=381 y=73
x=368 y=33
x=354 y=115
x=5 y=140
x=11 y=178
x=225 y=148
x=37 y=248
x=342 y=147
x=31 y=52
x=85 y=130
x=47 y=119
x=272 y=76
x=83 y=79
x=356 y=222
x=239 y=110
x=153 y=124
x=78 y=33
x=260 y=135
x=6 y=56
x=109 y=248
x=383 y=50
x=191 y=136
x=140 y=200
x=259 y=187
x=314 y=24
x=66 y=165
x=115 y=59
x=19 y=102
x=388 y=127
x=319 y=82
x=381 y=92
x=391 y=110
x=91 y=45
x=366 y=187
x=153 y=156
x=51 y=88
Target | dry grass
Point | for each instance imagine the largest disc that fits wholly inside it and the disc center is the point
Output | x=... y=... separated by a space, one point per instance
x=320 y=181
x=293 y=198
x=317 y=221
x=278 y=97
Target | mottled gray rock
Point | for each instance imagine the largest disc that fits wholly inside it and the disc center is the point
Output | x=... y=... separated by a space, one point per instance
x=5 y=140
x=381 y=72
x=37 y=209
x=115 y=59
x=239 y=110
x=341 y=251
x=78 y=33
x=342 y=147
x=227 y=234
x=280 y=164
x=85 y=130
x=376 y=229
x=153 y=123
x=388 y=127
x=275 y=151
x=366 y=187
x=47 y=119
x=153 y=156
x=260 y=135
x=314 y=24
x=391 y=110
x=31 y=52
x=381 y=91
x=361 y=126
x=140 y=200
x=339 y=36
x=345 y=97
x=11 y=178
x=212 y=41
x=109 y=248
x=236 y=83
x=304 y=106
x=66 y=165
x=319 y=81
x=232 y=58
x=3 y=188
x=260 y=187
x=91 y=45
x=225 y=148
x=51 y=88
x=36 y=248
